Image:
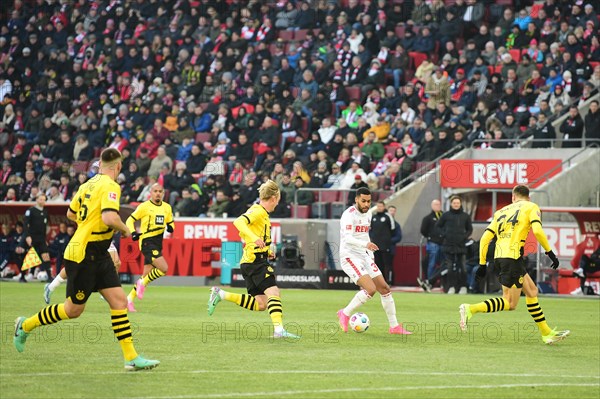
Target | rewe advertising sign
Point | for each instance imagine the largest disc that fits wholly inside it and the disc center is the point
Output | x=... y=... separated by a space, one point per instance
x=504 y=173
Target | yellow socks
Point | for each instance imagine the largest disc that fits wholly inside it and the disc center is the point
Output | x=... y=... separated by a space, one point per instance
x=153 y=275
x=275 y=311
x=122 y=329
x=243 y=300
x=48 y=315
x=534 y=309
x=490 y=305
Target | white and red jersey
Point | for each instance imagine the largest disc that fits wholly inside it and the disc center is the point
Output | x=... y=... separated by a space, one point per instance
x=354 y=232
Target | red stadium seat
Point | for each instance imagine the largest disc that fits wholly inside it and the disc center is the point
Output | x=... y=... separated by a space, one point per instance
x=286 y=35
x=300 y=34
x=303 y=211
x=80 y=166
x=516 y=55
x=417 y=58
x=327 y=196
x=353 y=92
x=203 y=138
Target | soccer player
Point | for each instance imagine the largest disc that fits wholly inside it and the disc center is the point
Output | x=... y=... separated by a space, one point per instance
x=511 y=226
x=255 y=230
x=356 y=257
x=95 y=208
x=154 y=215
x=62 y=276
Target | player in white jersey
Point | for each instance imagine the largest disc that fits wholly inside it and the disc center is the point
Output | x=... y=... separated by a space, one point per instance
x=356 y=258
x=62 y=276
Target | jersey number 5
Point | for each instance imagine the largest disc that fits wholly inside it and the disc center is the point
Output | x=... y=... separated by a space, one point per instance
x=83 y=212
x=513 y=220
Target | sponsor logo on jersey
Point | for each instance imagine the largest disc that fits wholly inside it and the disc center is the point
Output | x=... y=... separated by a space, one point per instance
x=361 y=229
x=159 y=219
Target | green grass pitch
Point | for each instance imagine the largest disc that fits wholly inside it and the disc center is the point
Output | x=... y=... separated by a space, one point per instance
x=231 y=354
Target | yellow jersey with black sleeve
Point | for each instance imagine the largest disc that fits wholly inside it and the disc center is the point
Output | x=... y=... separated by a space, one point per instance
x=253 y=225
x=511 y=226
x=153 y=219
x=92 y=237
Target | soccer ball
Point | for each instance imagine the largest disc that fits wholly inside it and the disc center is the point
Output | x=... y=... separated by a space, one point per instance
x=42 y=276
x=359 y=322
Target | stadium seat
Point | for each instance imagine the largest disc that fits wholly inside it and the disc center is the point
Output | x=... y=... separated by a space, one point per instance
x=303 y=211
x=203 y=137
x=319 y=210
x=353 y=92
x=286 y=35
x=516 y=55
x=300 y=34
x=80 y=166
x=337 y=208
x=417 y=58
x=327 y=196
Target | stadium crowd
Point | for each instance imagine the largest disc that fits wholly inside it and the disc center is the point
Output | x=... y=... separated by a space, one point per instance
x=210 y=98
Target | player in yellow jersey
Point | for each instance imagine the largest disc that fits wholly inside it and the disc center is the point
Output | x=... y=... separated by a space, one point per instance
x=95 y=208
x=154 y=216
x=510 y=226
x=255 y=230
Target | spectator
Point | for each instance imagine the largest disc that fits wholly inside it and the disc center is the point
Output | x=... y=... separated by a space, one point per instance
x=438 y=89
x=372 y=148
x=592 y=124
x=175 y=182
x=542 y=129
x=219 y=205
x=434 y=236
x=572 y=129
x=159 y=161
x=455 y=226
x=382 y=230
x=358 y=183
x=301 y=197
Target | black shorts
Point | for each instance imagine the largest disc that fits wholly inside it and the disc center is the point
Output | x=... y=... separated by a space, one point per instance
x=89 y=276
x=40 y=247
x=512 y=271
x=259 y=275
x=152 y=248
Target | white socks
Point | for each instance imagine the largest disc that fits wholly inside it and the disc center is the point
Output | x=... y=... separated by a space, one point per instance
x=359 y=299
x=387 y=302
x=58 y=280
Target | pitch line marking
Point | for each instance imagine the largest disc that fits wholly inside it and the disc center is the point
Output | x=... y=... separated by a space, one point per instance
x=344 y=372
x=369 y=389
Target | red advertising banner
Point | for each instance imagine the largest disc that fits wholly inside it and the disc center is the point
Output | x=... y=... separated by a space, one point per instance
x=497 y=173
x=222 y=229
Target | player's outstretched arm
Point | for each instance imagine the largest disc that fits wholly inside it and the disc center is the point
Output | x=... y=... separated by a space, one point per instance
x=113 y=220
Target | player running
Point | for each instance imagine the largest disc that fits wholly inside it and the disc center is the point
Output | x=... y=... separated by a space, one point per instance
x=255 y=230
x=90 y=268
x=510 y=226
x=356 y=257
x=154 y=216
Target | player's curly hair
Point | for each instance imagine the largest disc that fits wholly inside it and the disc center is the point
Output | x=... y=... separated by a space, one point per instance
x=268 y=189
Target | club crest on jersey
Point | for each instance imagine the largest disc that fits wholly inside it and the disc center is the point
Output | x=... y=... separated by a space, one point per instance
x=159 y=219
x=112 y=196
